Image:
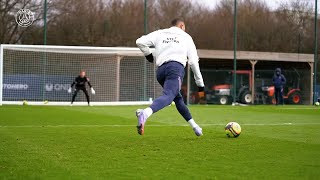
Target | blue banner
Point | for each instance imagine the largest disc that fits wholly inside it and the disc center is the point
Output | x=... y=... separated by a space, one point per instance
x=36 y=88
x=317 y=93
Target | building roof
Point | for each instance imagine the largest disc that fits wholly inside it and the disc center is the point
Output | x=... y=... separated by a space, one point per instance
x=203 y=53
x=252 y=55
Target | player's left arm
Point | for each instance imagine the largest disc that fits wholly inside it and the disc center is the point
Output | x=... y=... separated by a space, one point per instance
x=193 y=61
x=145 y=42
x=91 y=88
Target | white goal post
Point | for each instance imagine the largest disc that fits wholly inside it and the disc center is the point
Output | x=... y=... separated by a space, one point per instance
x=42 y=75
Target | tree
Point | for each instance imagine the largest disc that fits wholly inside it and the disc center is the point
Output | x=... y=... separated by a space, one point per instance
x=10 y=31
x=120 y=22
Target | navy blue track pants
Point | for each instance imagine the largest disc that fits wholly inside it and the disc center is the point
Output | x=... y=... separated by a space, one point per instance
x=170 y=76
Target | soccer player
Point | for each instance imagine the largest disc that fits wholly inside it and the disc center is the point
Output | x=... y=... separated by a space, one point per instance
x=278 y=81
x=173 y=49
x=80 y=84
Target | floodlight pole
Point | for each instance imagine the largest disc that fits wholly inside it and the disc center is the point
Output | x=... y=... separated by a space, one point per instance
x=44 y=58
x=145 y=17
x=235 y=52
x=315 y=51
x=45 y=23
x=145 y=23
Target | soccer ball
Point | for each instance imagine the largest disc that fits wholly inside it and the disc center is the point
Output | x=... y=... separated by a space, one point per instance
x=233 y=129
x=45 y=102
x=317 y=103
x=24 y=102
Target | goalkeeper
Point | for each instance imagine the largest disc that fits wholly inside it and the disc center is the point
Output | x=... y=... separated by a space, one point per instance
x=174 y=48
x=80 y=84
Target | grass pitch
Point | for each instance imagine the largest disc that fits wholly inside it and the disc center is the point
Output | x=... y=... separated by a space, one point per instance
x=102 y=143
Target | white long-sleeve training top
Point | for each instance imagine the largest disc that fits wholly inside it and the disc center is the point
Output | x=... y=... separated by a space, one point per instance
x=172 y=44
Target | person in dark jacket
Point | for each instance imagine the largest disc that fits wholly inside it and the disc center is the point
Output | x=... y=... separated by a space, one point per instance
x=279 y=82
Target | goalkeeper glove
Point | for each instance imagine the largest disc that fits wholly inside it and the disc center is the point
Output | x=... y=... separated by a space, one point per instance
x=150 y=58
x=93 y=91
x=69 y=90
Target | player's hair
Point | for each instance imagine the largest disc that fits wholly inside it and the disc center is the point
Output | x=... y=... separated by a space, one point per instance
x=82 y=71
x=175 y=21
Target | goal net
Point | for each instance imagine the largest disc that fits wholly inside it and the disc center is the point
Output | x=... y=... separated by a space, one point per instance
x=41 y=74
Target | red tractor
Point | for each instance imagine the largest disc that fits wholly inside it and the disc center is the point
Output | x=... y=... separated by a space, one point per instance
x=222 y=93
x=291 y=96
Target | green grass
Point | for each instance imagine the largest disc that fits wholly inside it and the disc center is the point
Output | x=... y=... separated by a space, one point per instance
x=85 y=143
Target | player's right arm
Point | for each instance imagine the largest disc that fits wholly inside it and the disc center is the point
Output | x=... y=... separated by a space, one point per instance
x=193 y=61
x=72 y=84
x=145 y=42
x=75 y=81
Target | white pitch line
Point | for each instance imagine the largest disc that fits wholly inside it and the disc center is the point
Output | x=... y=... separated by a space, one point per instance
x=272 y=124
x=302 y=108
x=152 y=125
